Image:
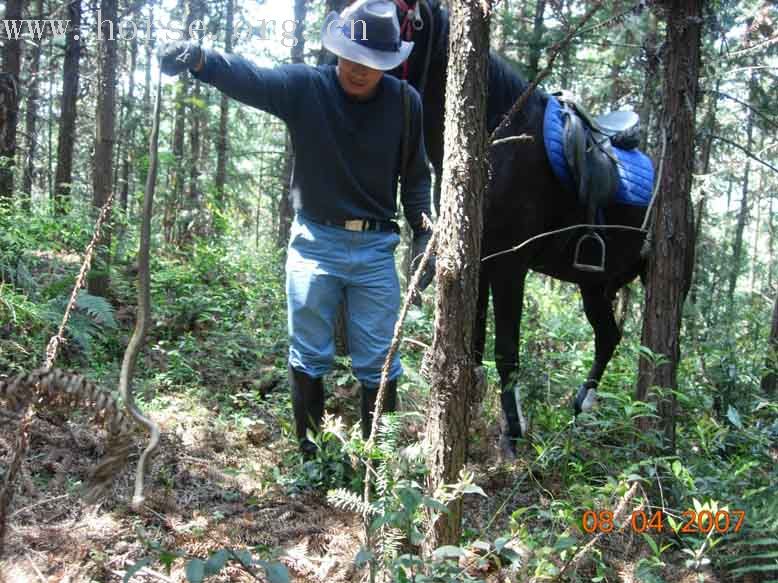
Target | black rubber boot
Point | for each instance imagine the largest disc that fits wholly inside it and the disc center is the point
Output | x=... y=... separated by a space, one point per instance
x=368 y=404
x=308 y=407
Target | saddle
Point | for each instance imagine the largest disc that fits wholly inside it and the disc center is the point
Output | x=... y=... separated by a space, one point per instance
x=587 y=154
x=588 y=144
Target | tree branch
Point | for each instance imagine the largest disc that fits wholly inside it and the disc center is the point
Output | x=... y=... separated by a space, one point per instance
x=745 y=150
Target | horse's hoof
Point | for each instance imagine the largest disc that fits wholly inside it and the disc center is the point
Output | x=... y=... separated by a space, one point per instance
x=586 y=398
x=516 y=423
x=507 y=448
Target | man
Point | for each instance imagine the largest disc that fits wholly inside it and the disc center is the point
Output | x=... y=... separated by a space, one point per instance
x=346 y=125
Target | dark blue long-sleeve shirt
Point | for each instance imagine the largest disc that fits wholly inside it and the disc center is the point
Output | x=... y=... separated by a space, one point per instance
x=346 y=152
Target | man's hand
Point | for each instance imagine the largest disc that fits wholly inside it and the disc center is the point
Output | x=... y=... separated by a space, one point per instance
x=418 y=246
x=177 y=57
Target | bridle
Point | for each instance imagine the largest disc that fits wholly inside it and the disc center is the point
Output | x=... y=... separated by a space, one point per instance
x=412 y=21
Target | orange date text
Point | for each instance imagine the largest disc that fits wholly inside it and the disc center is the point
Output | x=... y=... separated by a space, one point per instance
x=694 y=522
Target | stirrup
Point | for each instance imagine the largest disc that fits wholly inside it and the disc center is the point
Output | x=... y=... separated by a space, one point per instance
x=590 y=267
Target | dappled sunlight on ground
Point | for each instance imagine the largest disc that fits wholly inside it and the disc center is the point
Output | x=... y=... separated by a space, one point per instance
x=208 y=489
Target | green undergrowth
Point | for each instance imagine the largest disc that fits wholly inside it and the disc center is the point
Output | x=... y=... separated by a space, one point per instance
x=217 y=349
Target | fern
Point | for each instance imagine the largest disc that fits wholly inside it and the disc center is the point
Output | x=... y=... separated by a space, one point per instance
x=389 y=544
x=347 y=500
x=388 y=435
x=756 y=551
x=383 y=481
x=91 y=316
x=98 y=308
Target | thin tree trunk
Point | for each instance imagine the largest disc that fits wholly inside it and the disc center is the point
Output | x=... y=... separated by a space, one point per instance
x=9 y=105
x=456 y=387
x=176 y=190
x=147 y=112
x=709 y=130
x=742 y=217
x=31 y=118
x=50 y=126
x=224 y=118
x=535 y=43
x=149 y=46
x=757 y=228
x=9 y=102
x=99 y=279
x=121 y=124
x=770 y=378
x=669 y=272
x=67 y=124
x=770 y=241
x=195 y=196
x=285 y=208
x=193 y=203
x=129 y=134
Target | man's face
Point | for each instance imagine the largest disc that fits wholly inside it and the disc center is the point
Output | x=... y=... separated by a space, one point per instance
x=358 y=81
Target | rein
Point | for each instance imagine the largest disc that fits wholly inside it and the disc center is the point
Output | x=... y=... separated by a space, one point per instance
x=413 y=21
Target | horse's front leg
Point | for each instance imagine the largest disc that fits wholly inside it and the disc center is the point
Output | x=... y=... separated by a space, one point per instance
x=507 y=283
x=599 y=311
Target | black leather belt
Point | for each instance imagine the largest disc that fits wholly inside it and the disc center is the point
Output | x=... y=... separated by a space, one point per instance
x=364 y=225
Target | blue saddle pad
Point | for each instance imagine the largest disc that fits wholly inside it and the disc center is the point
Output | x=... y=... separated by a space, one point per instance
x=636 y=172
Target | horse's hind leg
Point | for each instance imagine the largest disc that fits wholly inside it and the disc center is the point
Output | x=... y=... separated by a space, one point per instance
x=598 y=305
x=482 y=305
x=507 y=283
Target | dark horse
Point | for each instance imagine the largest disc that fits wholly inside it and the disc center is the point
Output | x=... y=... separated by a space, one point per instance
x=524 y=200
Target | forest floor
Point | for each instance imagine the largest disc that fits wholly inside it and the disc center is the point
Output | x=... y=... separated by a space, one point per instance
x=227 y=474
x=214 y=485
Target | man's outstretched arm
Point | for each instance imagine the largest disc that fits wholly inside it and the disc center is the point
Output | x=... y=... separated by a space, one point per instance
x=275 y=90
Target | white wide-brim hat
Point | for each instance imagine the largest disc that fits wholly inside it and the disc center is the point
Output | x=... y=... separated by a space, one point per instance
x=367 y=32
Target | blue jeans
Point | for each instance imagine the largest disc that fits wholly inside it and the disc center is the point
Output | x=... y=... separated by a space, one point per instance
x=327 y=265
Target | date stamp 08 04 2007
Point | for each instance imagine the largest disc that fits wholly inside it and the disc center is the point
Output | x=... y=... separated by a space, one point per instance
x=694 y=522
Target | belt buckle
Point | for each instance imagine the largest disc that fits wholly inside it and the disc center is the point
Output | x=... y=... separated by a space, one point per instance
x=355 y=225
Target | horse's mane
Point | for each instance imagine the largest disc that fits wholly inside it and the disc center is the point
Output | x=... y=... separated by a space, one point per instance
x=505 y=87
x=505 y=83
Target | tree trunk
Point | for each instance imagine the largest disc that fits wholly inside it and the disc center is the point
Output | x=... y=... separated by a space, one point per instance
x=147 y=111
x=121 y=122
x=770 y=378
x=703 y=167
x=770 y=241
x=8 y=113
x=757 y=227
x=50 y=125
x=31 y=118
x=535 y=43
x=195 y=198
x=669 y=271
x=67 y=124
x=177 y=182
x=194 y=224
x=9 y=102
x=742 y=217
x=104 y=139
x=456 y=384
x=129 y=136
x=176 y=190
x=224 y=118
x=149 y=47
x=285 y=208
